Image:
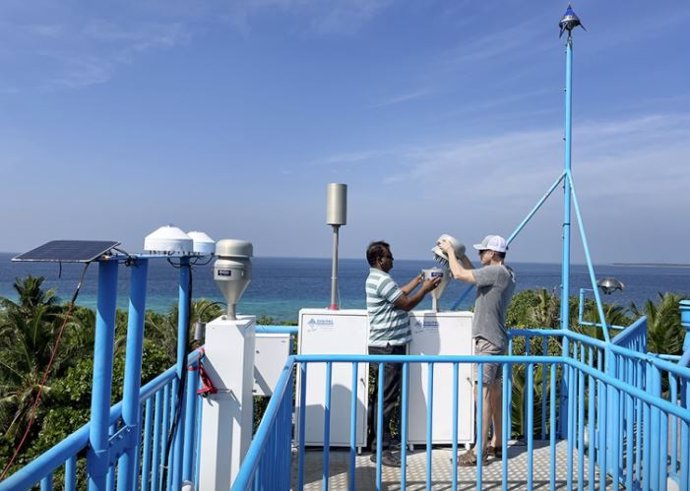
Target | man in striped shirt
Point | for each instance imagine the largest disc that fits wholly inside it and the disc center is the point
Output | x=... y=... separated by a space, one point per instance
x=389 y=333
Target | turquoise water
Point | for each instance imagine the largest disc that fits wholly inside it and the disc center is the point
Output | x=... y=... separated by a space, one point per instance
x=281 y=286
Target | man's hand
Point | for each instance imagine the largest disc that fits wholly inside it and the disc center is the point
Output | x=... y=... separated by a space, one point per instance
x=431 y=284
x=447 y=247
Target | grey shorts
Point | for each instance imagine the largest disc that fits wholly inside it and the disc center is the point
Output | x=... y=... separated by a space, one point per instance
x=491 y=372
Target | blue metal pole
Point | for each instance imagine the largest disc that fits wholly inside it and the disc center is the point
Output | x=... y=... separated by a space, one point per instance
x=530 y=425
x=429 y=422
x=685 y=322
x=565 y=265
x=182 y=334
x=591 y=454
x=301 y=419
x=479 y=441
x=565 y=262
x=71 y=474
x=590 y=269
x=130 y=394
x=110 y=479
x=158 y=434
x=552 y=428
x=379 y=424
x=353 y=427
x=327 y=426
x=146 y=454
x=190 y=418
x=98 y=457
x=404 y=415
x=581 y=423
x=505 y=423
x=454 y=422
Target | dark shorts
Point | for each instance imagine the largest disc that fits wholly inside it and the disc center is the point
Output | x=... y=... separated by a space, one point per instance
x=491 y=372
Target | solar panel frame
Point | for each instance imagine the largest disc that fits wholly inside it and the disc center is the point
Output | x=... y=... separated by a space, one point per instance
x=68 y=251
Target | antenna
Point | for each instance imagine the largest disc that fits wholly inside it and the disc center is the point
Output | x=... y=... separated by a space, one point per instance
x=336 y=215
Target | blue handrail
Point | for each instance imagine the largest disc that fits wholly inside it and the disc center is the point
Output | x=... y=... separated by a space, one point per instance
x=597 y=396
x=49 y=461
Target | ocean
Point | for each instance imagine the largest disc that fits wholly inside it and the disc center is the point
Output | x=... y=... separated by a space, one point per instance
x=281 y=286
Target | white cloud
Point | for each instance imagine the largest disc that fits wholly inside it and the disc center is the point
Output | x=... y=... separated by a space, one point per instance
x=317 y=16
x=401 y=98
x=77 y=49
x=625 y=172
x=497 y=43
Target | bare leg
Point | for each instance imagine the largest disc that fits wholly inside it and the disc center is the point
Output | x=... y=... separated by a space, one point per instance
x=497 y=414
x=487 y=411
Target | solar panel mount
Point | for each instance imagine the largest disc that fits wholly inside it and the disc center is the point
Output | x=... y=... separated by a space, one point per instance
x=68 y=251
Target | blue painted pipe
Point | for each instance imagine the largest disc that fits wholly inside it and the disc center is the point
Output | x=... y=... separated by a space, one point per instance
x=178 y=416
x=404 y=422
x=565 y=261
x=685 y=322
x=129 y=465
x=301 y=416
x=190 y=417
x=327 y=426
x=353 y=427
x=98 y=457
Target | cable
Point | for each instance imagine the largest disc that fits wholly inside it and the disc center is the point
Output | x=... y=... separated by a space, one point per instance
x=197 y=260
x=44 y=379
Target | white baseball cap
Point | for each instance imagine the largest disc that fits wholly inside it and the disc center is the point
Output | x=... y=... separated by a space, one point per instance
x=492 y=243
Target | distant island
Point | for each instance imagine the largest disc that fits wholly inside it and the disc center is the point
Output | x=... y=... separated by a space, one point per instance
x=654 y=265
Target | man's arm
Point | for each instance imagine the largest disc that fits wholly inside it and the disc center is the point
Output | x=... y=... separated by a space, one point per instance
x=412 y=284
x=408 y=302
x=460 y=268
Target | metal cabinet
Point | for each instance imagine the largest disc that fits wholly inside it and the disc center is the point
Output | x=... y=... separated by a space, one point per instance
x=440 y=333
x=323 y=331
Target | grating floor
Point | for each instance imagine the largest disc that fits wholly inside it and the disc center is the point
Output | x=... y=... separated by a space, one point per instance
x=441 y=476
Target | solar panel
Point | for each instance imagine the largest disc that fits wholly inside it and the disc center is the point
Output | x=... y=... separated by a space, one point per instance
x=68 y=251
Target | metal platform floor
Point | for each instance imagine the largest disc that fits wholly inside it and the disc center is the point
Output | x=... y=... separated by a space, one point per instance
x=441 y=478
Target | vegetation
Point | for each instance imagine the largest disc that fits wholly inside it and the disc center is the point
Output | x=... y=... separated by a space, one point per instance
x=30 y=327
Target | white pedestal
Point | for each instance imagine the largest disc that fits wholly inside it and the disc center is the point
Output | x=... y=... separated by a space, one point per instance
x=227 y=416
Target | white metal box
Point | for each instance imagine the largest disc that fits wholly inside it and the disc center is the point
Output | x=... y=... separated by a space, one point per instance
x=272 y=351
x=323 y=331
x=441 y=333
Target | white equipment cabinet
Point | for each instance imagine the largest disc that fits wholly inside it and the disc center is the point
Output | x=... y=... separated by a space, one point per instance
x=323 y=331
x=441 y=333
x=272 y=351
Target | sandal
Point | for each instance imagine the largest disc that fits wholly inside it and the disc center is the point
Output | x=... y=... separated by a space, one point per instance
x=496 y=452
x=468 y=459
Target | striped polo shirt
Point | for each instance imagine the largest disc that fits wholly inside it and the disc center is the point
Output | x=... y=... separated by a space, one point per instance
x=387 y=323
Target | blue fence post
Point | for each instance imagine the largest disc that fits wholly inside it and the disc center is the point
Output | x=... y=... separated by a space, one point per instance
x=131 y=413
x=610 y=368
x=190 y=418
x=98 y=455
x=183 y=314
x=685 y=322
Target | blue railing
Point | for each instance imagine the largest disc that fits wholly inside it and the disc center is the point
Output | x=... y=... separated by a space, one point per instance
x=626 y=407
x=156 y=401
x=616 y=428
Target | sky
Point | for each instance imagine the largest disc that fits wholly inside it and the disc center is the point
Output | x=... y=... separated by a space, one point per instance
x=231 y=117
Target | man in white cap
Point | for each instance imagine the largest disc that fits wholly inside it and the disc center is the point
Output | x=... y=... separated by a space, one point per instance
x=495 y=286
